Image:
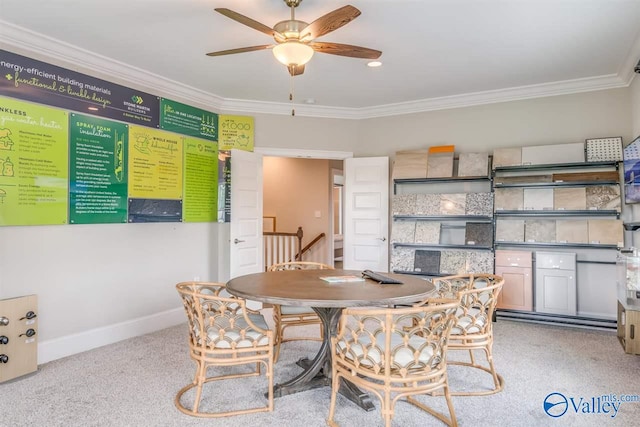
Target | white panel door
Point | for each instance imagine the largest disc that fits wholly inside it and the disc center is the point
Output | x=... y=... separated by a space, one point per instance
x=366 y=213
x=246 y=246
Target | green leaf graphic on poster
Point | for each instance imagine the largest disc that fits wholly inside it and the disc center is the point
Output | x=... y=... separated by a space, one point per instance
x=98 y=170
x=187 y=120
x=201 y=180
x=34 y=146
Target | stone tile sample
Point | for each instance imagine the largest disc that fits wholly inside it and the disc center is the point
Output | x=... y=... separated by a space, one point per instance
x=538 y=199
x=523 y=179
x=410 y=164
x=440 y=165
x=402 y=259
x=603 y=197
x=540 y=230
x=480 y=262
x=473 y=164
x=453 y=262
x=427 y=232
x=427 y=204
x=453 y=204
x=507 y=157
x=427 y=262
x=478 y=234
x=604 y=149
x=509 y=199
x=510 y=230
x=570 y=199
x=403 y=231
x=572 y=231
x=479 y=204
x=404 y=204
x=606 y=232
x=552 y=154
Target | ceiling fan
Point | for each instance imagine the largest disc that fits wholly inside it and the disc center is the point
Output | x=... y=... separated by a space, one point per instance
x=294 y=39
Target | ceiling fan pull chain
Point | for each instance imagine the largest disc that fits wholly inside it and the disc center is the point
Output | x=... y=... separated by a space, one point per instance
x=291 y=88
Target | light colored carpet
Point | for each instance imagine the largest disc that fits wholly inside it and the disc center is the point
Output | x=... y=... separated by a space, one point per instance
x=133 y=383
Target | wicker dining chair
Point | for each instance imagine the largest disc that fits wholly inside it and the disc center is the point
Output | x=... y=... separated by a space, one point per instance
x=394 y=353
x=473 y=328
x=291 y=316
x=223 y=332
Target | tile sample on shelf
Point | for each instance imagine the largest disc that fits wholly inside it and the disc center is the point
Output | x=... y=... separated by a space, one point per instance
x=509 y=199
x=553 y=154
x=480 y=262
x=427 y=262
x=404 y=204
x=427 y=232
x=440 y=165
x=453 y=204
x=603 y=197
x=538 y=199
x=403 y=231
x=453 y=262
x=507 y=157
x=604 y=149
x=427 y=204
x=410 y=164
x=611 y=176
x=572 y=231
x=570 y=198
x=540 y=230
x=402 y=259
x=524 y=179
x=479 y=204
x=473 y=164
x=510 y=230
x=606 y=232
x=478 y=234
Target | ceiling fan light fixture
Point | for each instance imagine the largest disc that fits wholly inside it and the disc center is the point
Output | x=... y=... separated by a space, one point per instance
x=293 y=52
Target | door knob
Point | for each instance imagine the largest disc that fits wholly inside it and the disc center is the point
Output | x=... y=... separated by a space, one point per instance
x=30 y=332
x=4 y=321
x=236 y=241
x=30 y=315
x=384 y=239
x=4 y=358
x=4 y=339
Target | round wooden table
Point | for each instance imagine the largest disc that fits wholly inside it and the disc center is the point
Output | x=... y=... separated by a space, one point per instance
x=306 y=288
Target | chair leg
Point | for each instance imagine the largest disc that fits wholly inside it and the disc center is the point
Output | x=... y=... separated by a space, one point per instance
x=492 y=368
x=452 y=413
x=387 y=408
x=335 y=386
x=276 y=343
x=201 y=373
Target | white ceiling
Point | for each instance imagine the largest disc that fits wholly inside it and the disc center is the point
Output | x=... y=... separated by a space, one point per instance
x=436 y=53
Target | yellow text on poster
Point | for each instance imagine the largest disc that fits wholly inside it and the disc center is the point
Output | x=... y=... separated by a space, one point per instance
x=235 y=132
x=155 y=164
x=34 y=146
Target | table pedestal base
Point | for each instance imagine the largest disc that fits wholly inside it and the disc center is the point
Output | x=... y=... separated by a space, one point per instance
x=317 y=372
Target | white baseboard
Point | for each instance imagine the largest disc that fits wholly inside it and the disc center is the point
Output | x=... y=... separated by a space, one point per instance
x=77 y=343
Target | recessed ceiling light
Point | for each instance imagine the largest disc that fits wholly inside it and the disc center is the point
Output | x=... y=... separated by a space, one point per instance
x=374 y=64
x=310 y=101
x=92 y=108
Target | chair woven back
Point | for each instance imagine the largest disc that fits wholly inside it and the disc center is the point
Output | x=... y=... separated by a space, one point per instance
x=299 y=265
x=398 y=343
x=218 y=321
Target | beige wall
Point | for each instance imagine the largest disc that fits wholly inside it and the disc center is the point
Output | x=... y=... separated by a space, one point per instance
x=635 y=106
x=551 y=120
x=294 y=190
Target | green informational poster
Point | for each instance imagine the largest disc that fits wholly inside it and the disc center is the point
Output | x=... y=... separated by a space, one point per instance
x=34 y=144
x=236 y=132
x=200 y=181
x=155 y=164
x=97 y=170
x=187 y=120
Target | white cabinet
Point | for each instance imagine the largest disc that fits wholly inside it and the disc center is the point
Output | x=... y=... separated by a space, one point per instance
x=556 y=283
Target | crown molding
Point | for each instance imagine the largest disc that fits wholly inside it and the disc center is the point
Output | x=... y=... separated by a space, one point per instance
x=49 y=49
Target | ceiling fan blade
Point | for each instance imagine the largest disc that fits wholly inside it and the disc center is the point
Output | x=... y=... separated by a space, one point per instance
x=330 y=22
x=296 y=70
x=240 y=50
x=345 y=50
x=247 y=21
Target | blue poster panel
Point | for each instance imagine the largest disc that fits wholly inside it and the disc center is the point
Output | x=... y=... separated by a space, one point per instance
x=631 y=163
x=36 y=81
